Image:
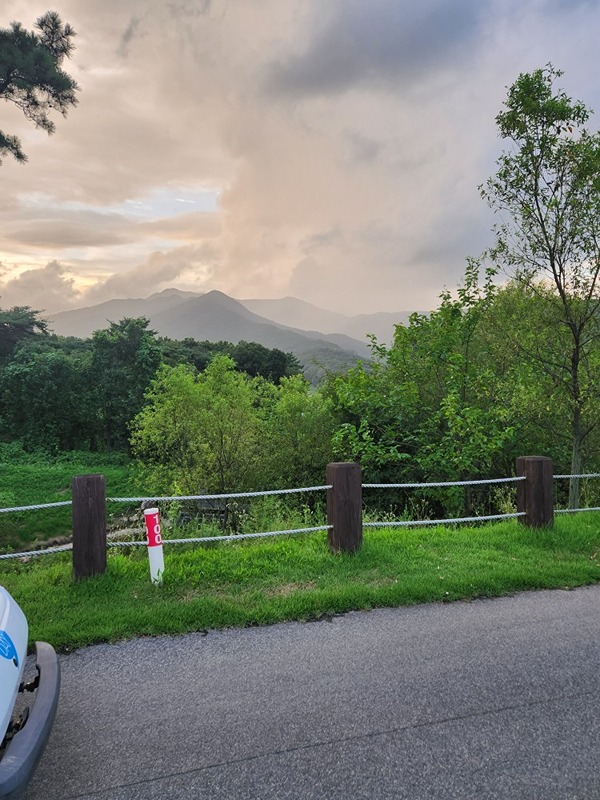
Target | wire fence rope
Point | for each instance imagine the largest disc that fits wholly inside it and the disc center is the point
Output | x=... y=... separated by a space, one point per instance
x=36 y=507
x=410 y=523
x=588 y=475
x=270 y=492
x=34 y=553
x=225 y=538
x=229 y=496
x=440 y=484
x=575 y=510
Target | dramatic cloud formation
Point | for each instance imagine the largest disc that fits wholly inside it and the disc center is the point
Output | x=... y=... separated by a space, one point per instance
x=327 y=150
x=45 y=289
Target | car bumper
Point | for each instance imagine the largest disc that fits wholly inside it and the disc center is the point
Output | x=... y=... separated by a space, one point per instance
x=25 y=749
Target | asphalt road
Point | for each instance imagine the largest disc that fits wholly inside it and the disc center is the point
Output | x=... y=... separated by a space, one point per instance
x=487 y=699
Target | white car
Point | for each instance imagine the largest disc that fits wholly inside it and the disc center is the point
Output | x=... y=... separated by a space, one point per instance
x=23 y=732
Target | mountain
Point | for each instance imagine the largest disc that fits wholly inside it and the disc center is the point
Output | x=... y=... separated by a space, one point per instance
x=306 y=316
x=216 y=317
x=82 y=322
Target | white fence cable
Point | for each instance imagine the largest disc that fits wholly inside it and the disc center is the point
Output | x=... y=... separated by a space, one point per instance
x=589 y=475
x=35 y=508
x=213 y=496
x=412 y=523
x=440 y=484
x=574 y=510
x=32 y=553
x=232 y=538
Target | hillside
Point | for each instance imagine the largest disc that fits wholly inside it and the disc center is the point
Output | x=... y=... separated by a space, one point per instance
x=300 y=314
x=214 y=317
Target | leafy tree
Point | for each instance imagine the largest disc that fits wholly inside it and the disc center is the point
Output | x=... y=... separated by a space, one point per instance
x=298 y=430
x=18 y=324
x=429 y=407
x=199 y=432
x=548 y=190
x=522 y=330
x=190 y=351
x=255 y=359
x=250 y=357
x=167 y=434
x=46 y=400
x=125 y=357
x=31 y=76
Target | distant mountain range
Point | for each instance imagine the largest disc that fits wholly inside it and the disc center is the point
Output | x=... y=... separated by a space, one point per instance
x=319 y=339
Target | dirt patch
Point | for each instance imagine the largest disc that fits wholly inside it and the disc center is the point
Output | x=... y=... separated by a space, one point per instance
x=286 y=589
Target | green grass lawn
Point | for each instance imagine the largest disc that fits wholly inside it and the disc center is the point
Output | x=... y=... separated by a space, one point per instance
x=296 y=578
x=39 y=481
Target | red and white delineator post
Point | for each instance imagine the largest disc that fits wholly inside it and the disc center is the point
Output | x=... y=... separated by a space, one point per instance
x=154 y=542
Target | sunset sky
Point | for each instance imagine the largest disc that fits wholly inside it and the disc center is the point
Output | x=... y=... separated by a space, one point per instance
x=325 y=149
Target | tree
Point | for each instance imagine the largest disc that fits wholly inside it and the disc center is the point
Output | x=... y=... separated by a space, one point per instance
x=46 y=399
x=548 y=189
x=125 y=357
x=199 y=432
x=297 y=443
x=432 y=406
x=256 y=359
x=31 y=76
x=197 y=354
x=16 y=325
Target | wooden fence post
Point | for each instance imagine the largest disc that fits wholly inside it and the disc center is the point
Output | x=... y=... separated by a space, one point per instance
x=89 y=526
x=535 y=495
x=344 y=507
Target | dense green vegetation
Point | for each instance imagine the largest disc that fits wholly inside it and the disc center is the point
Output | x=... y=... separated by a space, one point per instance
x=62 y=393
x=291 y=578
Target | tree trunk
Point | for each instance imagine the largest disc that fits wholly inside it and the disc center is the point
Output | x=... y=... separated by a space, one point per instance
x=575 y=459
x=576 y=423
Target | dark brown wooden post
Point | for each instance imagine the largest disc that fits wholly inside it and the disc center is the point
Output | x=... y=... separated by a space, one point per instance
x=535 y=493
x=89 y=526
x=344 y=507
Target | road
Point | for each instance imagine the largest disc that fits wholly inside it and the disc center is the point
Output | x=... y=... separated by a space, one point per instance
x=485 y=699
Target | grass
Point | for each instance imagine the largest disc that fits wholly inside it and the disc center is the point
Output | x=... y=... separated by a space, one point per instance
x=296 y=578
x=24 y=483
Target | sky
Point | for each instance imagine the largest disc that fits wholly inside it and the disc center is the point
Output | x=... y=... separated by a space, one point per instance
x=330 y=150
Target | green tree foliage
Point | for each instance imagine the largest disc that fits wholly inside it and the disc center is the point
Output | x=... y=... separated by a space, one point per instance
x=18 y=324
x=31 y=74
x=430 y=407
x=270 y=363
x=197 y=354
x=199 y=432
x=250 y=357
x=125 y=357
x=548 y=189
x=298 y=431
x=46 y=400
x=104 y=379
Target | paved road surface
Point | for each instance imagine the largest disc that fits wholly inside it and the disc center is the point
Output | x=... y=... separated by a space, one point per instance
x=488 y=699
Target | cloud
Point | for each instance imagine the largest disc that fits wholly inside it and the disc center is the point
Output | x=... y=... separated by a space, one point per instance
x=157 y=272
x=344 y=139
x=195 y=225
x=380 y=41
x=46 y=289
x=128 y=35
x=58 y=229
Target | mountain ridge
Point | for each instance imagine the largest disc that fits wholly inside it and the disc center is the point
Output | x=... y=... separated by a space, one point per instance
x=215 y=316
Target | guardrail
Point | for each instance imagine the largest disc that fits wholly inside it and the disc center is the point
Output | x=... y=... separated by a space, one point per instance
x=534 y=480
